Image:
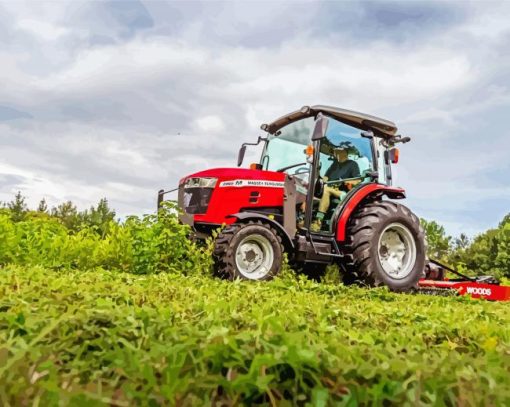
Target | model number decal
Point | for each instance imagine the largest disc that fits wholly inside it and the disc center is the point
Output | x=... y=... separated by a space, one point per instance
x=251 y=183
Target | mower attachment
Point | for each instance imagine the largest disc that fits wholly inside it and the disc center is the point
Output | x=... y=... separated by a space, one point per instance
x=484 y=287
x=491 y=292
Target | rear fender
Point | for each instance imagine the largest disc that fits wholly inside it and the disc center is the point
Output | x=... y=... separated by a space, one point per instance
x=243 y=217
x=366 y=191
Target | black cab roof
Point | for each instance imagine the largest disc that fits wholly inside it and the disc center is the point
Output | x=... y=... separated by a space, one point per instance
x=362 y=121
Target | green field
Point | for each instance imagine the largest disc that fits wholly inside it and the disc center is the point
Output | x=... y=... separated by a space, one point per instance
x=73 y=337
x=127 y=313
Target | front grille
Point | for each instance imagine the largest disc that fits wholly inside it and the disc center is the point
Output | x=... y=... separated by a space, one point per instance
x=196 y=200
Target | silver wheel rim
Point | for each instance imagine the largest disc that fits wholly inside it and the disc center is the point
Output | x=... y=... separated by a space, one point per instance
x=397 y=251
x=254 y=257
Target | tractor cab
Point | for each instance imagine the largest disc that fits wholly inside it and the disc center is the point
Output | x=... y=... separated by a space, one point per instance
x=344 y=155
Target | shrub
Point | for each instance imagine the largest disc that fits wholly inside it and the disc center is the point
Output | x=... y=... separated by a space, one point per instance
x=141 y=245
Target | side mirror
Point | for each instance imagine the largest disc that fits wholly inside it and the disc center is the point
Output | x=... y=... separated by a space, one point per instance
x=240 y=156
x=320 y=128
x=319 y=188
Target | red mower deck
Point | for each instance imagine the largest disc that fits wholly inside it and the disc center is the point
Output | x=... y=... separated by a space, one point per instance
x=482 y=287
x=491 y=292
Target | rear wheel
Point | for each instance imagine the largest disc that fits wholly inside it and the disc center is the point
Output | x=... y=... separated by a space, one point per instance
x=249 y=251
x=387 y=245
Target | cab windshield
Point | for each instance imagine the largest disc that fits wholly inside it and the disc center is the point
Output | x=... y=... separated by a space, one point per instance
x=288 y=147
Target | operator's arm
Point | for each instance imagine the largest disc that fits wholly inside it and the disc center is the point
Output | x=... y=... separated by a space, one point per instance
x=329 y=172
x=354 y=170
x=353 y=173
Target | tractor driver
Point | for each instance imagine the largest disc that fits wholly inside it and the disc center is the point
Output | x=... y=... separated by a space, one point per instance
x=341 y=168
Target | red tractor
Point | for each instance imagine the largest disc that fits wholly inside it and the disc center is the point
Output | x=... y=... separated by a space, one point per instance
x=322 y=193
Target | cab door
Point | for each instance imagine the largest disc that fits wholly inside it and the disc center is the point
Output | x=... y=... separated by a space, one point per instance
x=343 y=161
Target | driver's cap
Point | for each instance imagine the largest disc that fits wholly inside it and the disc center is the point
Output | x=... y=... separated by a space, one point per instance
x=344 y=145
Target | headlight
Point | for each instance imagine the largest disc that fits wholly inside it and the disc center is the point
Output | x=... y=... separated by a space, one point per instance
x=200 y=183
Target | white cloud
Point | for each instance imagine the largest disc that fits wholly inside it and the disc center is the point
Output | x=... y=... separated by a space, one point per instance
x=210 y=124
x=142 y=112
x=42 y=29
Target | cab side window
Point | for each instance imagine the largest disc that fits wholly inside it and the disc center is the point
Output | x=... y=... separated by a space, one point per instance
x=343 y=142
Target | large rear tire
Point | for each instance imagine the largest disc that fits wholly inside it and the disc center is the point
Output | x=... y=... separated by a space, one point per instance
x=248 y=251
x=388 y=246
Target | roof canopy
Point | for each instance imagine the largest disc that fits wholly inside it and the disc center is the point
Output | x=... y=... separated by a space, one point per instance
x=362 y=121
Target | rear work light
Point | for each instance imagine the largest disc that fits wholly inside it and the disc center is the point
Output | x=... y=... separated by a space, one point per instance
x=391 y=156
x=395 y=153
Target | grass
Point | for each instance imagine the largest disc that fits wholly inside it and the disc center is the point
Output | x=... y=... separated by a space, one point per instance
x=111 y=338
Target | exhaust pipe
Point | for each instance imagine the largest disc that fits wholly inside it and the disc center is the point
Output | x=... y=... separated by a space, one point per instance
x=161 y=195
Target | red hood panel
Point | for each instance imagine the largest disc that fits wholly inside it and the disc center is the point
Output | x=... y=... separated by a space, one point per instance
x=238 y=173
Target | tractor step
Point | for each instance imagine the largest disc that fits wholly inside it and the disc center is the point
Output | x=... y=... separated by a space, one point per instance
x=318 y=239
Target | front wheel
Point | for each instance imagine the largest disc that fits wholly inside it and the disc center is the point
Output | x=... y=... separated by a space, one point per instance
x=388 y=246
x=249 y=251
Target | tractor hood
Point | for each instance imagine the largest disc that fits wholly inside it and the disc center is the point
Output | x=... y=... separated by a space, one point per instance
x=362 y=121
x=212 y=196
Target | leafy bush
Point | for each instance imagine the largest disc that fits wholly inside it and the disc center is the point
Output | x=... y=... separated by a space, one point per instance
x=489 y=253
x=439 y=244
x=141 y=245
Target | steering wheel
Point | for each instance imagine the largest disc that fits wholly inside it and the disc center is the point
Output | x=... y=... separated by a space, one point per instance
x=302 y=170
x=341 y=181
x=288 y=167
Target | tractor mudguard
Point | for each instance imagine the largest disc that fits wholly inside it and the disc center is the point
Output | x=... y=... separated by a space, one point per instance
x=287 y=240
x=352 y=203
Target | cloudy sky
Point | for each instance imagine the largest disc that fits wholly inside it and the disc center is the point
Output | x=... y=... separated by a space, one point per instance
x=118 y=99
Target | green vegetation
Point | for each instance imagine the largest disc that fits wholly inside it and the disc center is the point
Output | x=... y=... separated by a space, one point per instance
x=488 y=253
x=97 y=338
x=101 y=312
x=145 y=245
x=66 y=213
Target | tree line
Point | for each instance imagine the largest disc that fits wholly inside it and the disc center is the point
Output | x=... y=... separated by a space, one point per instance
x=487 y=253
x=96 y=217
